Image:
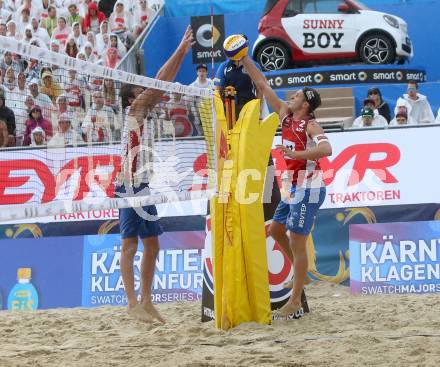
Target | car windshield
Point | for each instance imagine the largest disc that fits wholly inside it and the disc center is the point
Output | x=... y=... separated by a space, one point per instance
x=326 y=6
x=269 y=5
x=320 y=6
x=358 y=5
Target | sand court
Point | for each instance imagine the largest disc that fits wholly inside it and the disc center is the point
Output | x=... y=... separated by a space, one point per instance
x=341 y=330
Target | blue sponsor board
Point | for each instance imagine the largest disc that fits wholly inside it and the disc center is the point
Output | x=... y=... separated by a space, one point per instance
x=85 y=271
x=54 y=267
x=102 y=283
x=395 y=258
x=58 y=264
x=178 y=273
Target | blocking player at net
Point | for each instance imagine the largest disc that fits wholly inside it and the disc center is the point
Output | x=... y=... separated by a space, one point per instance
x=304 y=142
x=134 y=179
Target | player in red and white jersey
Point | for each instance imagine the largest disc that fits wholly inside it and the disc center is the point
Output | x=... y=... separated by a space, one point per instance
x=295 y=137
x=133 y=179
x=304 y=143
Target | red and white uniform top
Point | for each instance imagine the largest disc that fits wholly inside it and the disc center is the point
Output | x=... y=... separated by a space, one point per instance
x=137 y=143
x=295 y=137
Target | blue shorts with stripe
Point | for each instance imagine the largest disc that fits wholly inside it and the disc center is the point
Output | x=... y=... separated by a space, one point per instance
x=140 y=222
x=298 y=213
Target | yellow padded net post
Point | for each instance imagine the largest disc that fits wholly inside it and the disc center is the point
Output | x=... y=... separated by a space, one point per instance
x=241 y=284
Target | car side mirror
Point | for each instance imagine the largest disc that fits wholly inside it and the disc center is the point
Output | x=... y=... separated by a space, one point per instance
x=343 y=8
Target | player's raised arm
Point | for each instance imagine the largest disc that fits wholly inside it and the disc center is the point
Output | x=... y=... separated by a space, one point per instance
x=260 y=81
x=150 y=97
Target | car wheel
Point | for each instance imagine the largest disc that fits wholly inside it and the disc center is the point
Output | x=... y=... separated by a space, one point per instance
x=273 y=56
x=377 y=49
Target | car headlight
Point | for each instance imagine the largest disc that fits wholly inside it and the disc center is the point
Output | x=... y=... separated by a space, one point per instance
x=404 y=28
x=393 y=22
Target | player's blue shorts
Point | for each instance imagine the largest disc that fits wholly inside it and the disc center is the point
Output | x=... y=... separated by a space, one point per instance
x=138 y=222
x=298 y=214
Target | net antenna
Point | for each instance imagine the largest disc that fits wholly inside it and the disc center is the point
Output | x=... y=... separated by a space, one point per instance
x=78 y=168
x=212 y=42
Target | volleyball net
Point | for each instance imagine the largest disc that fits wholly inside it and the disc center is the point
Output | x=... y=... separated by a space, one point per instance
x=75 y=141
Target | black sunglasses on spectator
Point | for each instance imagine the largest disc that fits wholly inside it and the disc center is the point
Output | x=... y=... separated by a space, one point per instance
x=372 y=93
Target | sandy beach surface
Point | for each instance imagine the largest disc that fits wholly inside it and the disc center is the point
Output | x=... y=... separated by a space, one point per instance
x=341 y=330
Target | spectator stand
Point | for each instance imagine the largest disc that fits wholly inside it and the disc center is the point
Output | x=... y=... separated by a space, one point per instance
x=45 y=83
x=133 y=60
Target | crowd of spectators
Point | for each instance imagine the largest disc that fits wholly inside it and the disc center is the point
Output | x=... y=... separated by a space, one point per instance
x=54 y=104
x=412 y=108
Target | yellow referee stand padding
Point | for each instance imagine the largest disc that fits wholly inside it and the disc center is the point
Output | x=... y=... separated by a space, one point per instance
x=241 y=282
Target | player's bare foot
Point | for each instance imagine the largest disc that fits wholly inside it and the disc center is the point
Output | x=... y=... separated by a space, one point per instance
x=288 y=309
x=153 y=312
x=139 y=313
x=289 y=284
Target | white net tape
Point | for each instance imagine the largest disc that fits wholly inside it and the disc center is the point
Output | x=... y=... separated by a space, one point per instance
x=69 y=63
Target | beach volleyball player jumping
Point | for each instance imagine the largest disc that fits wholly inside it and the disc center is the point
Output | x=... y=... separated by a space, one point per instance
x=137 y=140
x=304 y=142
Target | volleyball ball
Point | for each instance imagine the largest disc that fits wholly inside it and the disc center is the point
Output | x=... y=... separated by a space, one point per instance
x=236 y=47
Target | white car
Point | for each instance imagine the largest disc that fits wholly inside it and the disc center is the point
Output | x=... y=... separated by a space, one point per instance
x=316 y=31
